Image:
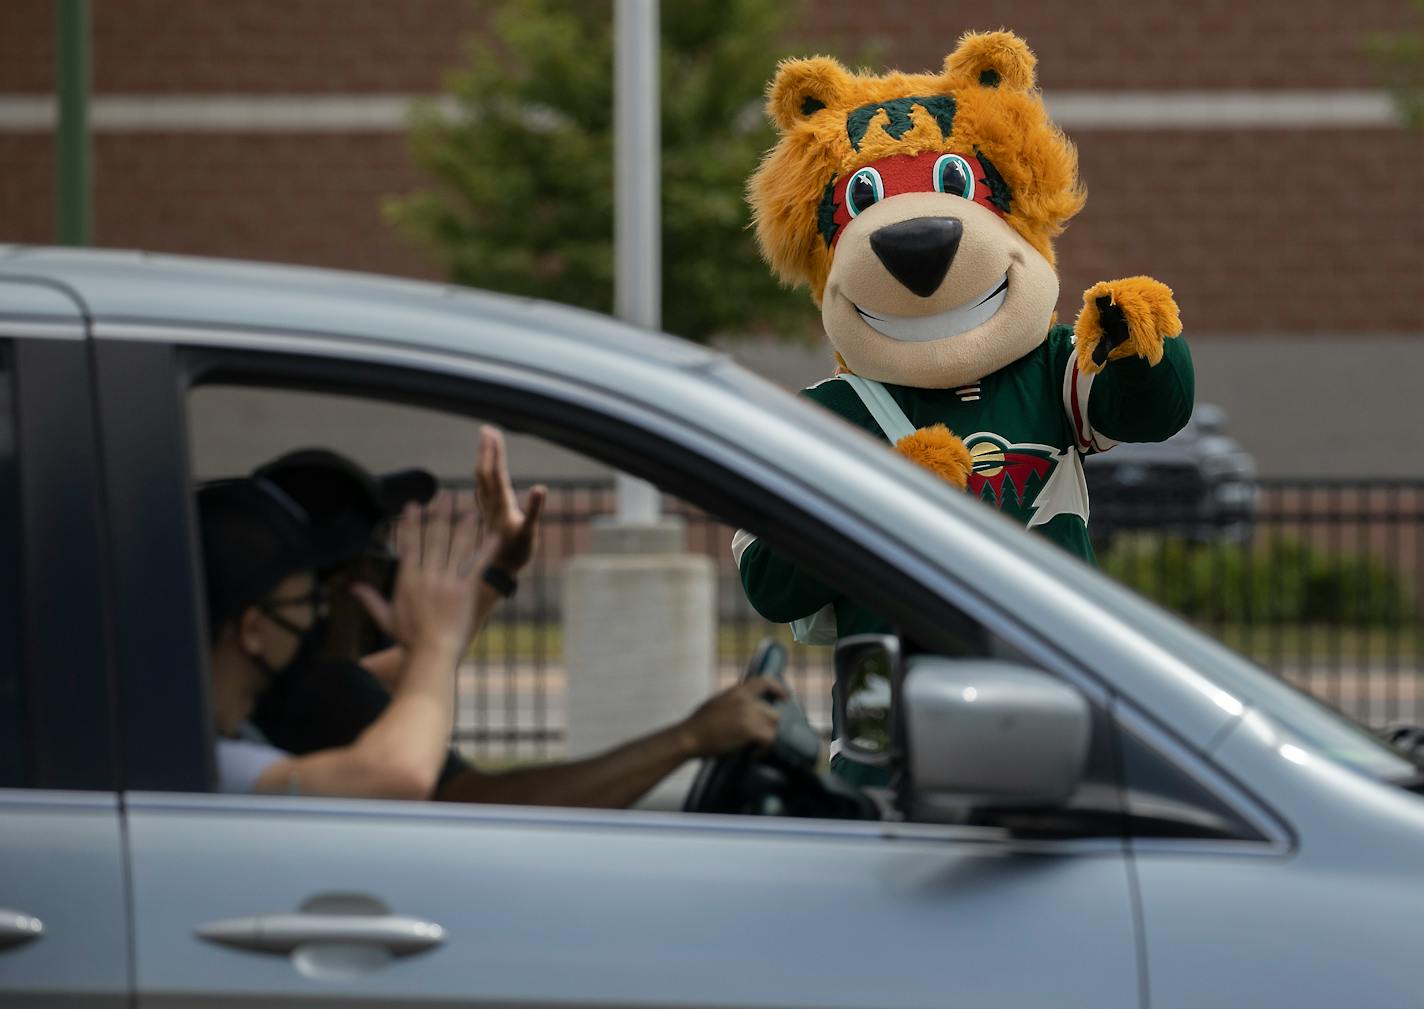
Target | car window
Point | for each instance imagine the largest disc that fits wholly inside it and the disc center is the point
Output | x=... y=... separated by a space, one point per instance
x=1163 y=800
x=522 y=695
x=12 y=772
x=537 y=683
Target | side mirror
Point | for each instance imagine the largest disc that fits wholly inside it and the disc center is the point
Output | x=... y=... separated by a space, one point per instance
x=867 y=674
x=988 y=731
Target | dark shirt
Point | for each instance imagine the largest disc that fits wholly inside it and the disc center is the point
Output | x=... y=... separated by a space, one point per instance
x=326 y=704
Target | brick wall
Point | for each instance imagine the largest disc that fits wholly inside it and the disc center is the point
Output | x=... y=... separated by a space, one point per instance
x=1146 y=44
x=1273 y=231
x=26 y=188
x=1259 y=231
x=376 y=45
x=296 y=198
x=248 y=46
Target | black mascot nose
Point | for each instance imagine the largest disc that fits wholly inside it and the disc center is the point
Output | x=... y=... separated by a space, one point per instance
x=918 y=252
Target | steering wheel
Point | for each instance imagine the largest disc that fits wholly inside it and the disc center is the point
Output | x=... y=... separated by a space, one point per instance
x=759 y=782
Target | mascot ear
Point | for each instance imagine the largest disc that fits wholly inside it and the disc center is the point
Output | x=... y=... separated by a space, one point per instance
x=990 y=60
x=804 y=87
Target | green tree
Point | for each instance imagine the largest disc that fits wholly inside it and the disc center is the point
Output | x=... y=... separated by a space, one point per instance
x=1399 y=61
x=522 y=199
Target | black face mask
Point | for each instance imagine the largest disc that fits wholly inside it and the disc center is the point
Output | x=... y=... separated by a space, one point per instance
x=309 y=642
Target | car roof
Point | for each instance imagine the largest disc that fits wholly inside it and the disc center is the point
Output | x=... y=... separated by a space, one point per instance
x=130 y=286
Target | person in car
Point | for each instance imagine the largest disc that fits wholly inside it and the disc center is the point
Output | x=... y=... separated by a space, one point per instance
x=318 y=705
x=267 y=609
x=329 y=698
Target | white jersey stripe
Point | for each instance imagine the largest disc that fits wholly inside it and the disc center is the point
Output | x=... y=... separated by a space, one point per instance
x=741 y=539
x=1077 y=388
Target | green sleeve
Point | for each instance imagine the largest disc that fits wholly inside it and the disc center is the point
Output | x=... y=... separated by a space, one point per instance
x=778 y=589
x=1134 y=401
x=775 y=586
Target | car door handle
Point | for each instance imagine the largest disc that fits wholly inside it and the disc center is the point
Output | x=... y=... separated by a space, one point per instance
x=283 y=933
x=18 y=928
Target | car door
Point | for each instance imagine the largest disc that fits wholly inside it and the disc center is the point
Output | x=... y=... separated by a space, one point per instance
x=248 y=900
x=267 y=901
x=63 y=901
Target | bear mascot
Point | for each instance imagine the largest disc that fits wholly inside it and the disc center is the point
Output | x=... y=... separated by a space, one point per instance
x=921 y=210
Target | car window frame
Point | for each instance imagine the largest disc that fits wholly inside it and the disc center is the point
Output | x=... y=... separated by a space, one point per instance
x=14 y=735
x=69 y=733
x=175 y=363
x=581 y=418
x=1273 y=834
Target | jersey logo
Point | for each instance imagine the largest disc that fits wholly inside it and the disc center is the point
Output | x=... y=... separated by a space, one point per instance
x=1046 y=482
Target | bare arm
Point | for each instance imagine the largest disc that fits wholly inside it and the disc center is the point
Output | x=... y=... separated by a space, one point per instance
x=512 y=527
x=400 y=754
x=385 y=665
x=728 y=721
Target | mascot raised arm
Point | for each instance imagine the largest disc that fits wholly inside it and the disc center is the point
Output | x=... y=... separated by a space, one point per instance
x=921 y=210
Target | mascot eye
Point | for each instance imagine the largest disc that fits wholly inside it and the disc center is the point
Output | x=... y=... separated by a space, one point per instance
x=865 y=189
x=952 y=176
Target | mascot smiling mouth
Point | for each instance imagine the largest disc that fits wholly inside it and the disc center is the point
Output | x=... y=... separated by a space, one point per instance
x=953 y=322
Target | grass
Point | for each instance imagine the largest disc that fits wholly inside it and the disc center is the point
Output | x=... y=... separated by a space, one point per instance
x=529 y=640
x=1319 y=642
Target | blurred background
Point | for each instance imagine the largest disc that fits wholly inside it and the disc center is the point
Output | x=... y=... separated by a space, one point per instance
x=1265 y=160
x=1247 y=154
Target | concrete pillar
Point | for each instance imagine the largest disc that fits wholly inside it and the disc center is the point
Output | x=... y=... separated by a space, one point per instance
x=640 y=632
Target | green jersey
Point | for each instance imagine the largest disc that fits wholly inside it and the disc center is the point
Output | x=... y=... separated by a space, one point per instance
x=1027 y=427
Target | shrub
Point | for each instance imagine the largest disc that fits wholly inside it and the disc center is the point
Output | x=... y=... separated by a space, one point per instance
x=521 y=199
x=1286 y=581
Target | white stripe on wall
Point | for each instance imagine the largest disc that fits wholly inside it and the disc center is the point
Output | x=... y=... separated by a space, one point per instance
x=1137 y=110
x=221 y=113
x=1150 y=110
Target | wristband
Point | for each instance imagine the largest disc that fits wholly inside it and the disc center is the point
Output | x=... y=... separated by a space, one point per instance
x=500 y=580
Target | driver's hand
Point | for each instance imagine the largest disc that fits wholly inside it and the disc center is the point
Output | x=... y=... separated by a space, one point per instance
x=739 y=716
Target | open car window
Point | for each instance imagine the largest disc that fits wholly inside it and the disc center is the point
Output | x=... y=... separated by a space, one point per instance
x=556 y=674
x=522 y=695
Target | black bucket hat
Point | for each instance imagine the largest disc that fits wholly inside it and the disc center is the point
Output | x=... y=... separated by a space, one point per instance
x=253 y=536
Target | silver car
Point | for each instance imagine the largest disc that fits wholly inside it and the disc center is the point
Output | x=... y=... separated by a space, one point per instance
x=1095 y=805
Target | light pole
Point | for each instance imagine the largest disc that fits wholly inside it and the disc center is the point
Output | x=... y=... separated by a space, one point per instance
x=639 y=610
x=73 y=211
x=637 y=200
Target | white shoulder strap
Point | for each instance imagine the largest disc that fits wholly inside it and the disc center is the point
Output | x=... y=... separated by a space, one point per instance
x=817 y=629
x=820 y=627
x=882 y=407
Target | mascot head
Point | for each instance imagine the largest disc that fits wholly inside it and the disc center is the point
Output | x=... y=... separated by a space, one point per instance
x=920 y=208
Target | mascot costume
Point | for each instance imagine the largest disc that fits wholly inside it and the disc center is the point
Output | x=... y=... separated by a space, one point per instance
x=921 y=210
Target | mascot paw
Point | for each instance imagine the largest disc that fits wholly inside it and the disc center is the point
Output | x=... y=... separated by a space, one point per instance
x=1125 y=318
x=940 y=452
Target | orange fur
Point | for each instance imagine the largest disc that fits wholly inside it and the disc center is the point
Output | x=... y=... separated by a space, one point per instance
x=1007 y=123
x=1147 y=307
x=1002 y=52
x=940 y=452
x=820 y=78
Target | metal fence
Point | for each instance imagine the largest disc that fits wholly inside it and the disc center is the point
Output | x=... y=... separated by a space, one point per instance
x=1320 y=583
